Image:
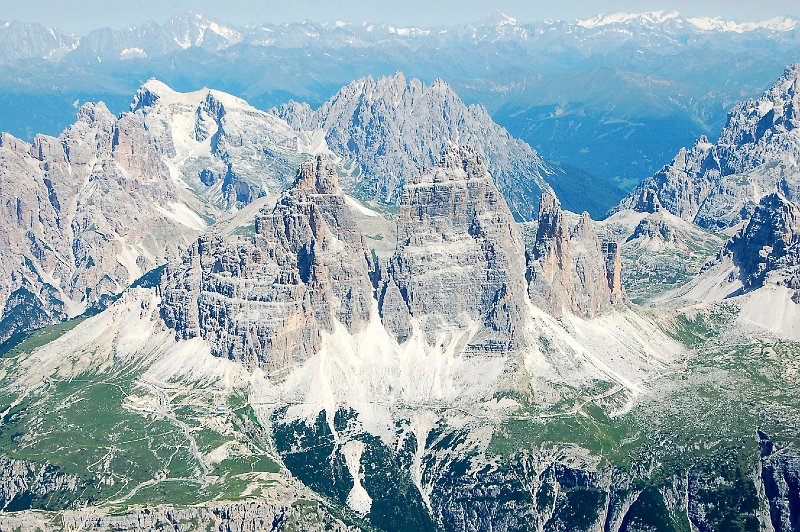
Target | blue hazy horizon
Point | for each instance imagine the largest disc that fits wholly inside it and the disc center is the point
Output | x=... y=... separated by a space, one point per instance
x=81 y=16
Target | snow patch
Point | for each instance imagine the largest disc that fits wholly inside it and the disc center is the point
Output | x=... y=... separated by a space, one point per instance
x=358 y=499
x=131 y=53
x=776 y=24
x=652 y=17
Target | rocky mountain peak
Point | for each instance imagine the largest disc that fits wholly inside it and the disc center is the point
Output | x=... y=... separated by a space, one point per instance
x=94 y=112
x=774 y=114
x=317 y=176
x=148 y=94
x=395 y=128
x=459 y=256
x=98 y=206
x=266 y=302
x=570 y=269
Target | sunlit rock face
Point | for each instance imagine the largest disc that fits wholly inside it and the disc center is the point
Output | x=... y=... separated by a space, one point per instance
x=570 y=269
x=460 y=259
x=265 y=302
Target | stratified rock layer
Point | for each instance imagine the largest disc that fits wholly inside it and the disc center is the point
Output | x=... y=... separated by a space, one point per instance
x=265 y=302
x=459 y=259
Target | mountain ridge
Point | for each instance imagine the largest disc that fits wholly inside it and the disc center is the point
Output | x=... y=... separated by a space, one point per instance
x=191 y=29
x=717 y=185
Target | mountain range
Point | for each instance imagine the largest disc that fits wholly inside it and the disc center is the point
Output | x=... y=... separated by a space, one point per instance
x=212 y=154
x=380 y=314
x=578 y=92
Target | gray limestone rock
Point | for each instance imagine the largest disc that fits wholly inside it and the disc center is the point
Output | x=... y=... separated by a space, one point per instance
x=569 y=269
x=82 y=216
x=717 y=185
x=767 y=249
x=459 y=258
x=393 y=129
x=265 y=302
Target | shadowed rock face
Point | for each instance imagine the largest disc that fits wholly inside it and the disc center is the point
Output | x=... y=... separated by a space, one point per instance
x=569 y=269
x=717 y=185
x=266 y=302
x=459 y=259
x=767 y=249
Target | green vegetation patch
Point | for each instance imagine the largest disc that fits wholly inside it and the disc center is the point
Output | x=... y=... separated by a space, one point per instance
x=27 y=342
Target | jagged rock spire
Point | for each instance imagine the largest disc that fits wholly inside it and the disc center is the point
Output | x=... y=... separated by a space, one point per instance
x=569 y=269
x=266 y=302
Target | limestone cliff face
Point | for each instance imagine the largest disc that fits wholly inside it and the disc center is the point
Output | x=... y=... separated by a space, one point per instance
x=718 y=185
x=86 y=213
x=457 y=275
x=266 y=302
x=459 y=258
x=569 y=269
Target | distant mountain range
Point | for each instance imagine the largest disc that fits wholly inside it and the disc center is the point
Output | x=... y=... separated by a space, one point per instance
x=578 y=92
x=20 y=40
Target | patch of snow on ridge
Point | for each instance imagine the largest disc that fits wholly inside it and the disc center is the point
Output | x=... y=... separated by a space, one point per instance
x=130 y=53
x=225 y=32
x=652 y=17
x=408 y=32
x=778 y=24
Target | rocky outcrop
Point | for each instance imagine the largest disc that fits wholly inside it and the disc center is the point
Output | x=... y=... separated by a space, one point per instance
x=86 y=213
x=568 y=268
x=457 y=274
x=459 y=258
x=718 y=185
x=780 y=475
x=22 y=482
x=249 y=515
x=654 y=229
x=767 y=249
x=230 y=152
x=394 y=129
x=266 y=302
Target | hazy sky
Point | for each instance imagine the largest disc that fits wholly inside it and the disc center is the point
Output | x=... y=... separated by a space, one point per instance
x=82 y=15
